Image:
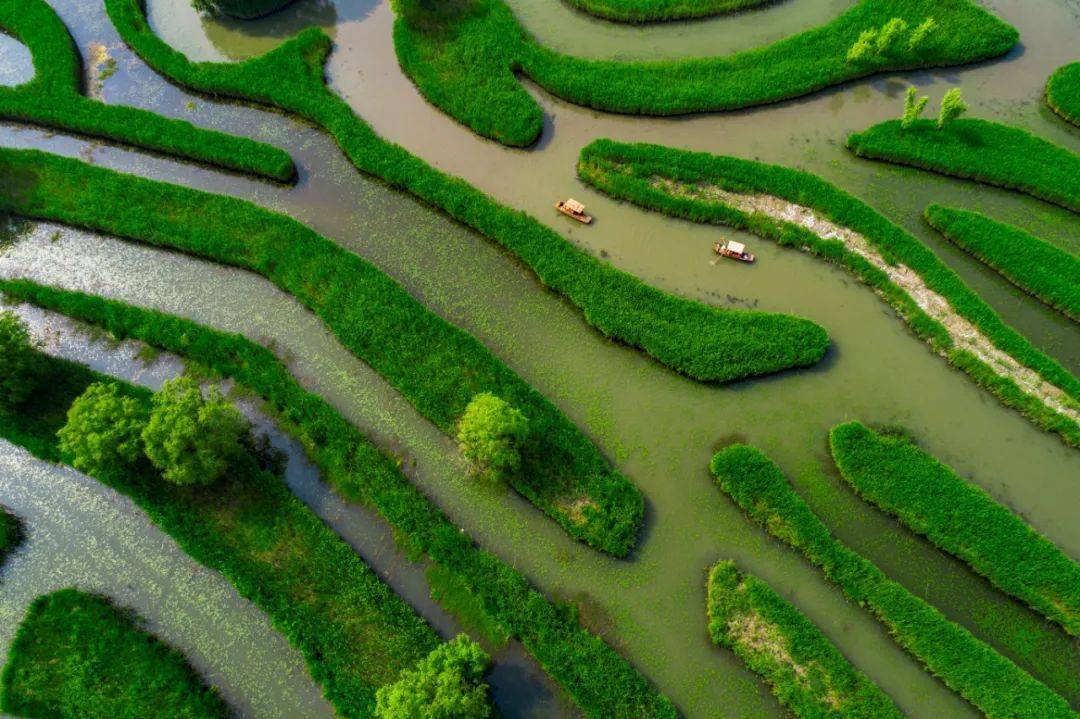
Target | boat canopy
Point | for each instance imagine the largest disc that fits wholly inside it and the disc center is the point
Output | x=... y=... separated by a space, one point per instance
x=574 y=206
x=736 y=247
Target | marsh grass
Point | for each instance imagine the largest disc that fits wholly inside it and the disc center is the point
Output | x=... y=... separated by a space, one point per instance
x=1063 y=92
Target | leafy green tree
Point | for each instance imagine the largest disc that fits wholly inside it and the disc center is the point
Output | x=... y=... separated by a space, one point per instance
x=104 y=429
x=913 y=107
x=19 y=361
x=865 y=47
x=192 y=439
x=952 y=107
x=446 y=684
x=921 y=33
x=490 y=435
x=890 y=34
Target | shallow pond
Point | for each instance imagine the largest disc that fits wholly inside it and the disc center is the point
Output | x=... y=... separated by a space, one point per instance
x=659 y=428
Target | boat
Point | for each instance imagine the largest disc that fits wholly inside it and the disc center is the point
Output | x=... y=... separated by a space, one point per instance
x=734 y=251
x=573 y=208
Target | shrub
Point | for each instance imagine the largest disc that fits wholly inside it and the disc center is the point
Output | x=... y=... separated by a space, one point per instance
x=192 y=439
x=104 y=428
x=913 y=107
x=18 y=361
x=446 y=684
x=920 y=35
x=490 y=435
x=889 y=37
x=952 y=107
x=863 y=48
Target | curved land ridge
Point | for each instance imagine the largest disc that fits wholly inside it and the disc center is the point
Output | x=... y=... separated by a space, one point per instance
x=643 y=11
x=930 y=297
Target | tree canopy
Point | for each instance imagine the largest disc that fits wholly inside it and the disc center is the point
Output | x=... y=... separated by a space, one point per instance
x=104 y=429
x=446 y=684
x=18 y=361
x=490 y=435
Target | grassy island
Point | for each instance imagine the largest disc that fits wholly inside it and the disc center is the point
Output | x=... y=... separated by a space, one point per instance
x=53 y=99
x=1063 y=92
x=599 y=680
x=703 y=342
x=642 y=11
x=992 y=683
x=987 y=152
x=1035 y=266
x=436 y=366
x=76 y=656
x=465 y=56
x=800 y=210
x=353 y=631
x=805 y=671
x=960 y=518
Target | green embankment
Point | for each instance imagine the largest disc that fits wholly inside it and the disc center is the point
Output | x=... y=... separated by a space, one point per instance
x=960 y=518
x=53 y=99
x=991 y=682
x=703 y=342
x=1063 y=92
x=435 y=365
x=1035 y=266
x=242 y=9
x=637 y=173
x=600 y=681
x=465 y=57
x=76 y=656
x=986 y=152
x=11 y=533
x=354 y=633
x=641 y=11
x=805 y=671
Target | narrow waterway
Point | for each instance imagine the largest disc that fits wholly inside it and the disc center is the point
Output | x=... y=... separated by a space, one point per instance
x=659 y=428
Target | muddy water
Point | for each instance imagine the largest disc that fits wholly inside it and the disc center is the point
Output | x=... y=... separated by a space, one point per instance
x=659 y=428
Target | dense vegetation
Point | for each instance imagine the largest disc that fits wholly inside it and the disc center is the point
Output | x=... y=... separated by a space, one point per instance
x=243 y=9
x=436 y=366
x=76 y=656
x=53 y=99
x=18 y=361
x=490 y=435
x=805 y=671
x=703 y=342
x=1063 y=92
x=11 y=533
x=661 y=10
x=104 y=429
x=627 y=172
x=446 y=684
x=1035 y=266
x=960 y=518
x=600 y=681
x=354 y=633
x=987 y=152
x=991 y=682
x=464 y=56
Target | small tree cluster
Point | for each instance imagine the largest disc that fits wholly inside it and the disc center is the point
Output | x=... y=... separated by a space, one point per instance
x=913 y=107
x=952 y=107
x=888 y=40
x=446 y=684
x=490 y=435
x=104 y=429
x=19 y=361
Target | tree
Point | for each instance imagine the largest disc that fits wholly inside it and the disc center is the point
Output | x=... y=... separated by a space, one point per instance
x=890 y=34
x=913 y=107
x=921 y=33
x=104 y=429
x=20 y=363
x=864 y=47
x=490 y=435
x=192 y=439
x=952 y=107
x=446 y=684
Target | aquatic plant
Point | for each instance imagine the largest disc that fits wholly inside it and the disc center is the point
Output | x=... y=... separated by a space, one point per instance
x=466 y=57
x=193 y=439
x=490 y=435
x=602 y=683
x=18 y=361
x=706 y=343
x=952 y=107
x=353 y=631
x=806 y=672
x=1039 y=268
x=243 y=9
x=642 y=11
x=76 y=655
x=1063 y=92
x=987 y=152
x=992 y=683
x=956 y=515
x=692 y=186
x=104 y=429
x=53 y=99
x=913 y=107
x=446 y=684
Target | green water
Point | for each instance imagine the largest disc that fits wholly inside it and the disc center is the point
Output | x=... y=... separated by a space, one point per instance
x=660 y=429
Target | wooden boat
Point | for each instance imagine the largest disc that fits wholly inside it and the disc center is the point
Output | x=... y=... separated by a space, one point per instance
x=734 y=251
x=573 y=208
